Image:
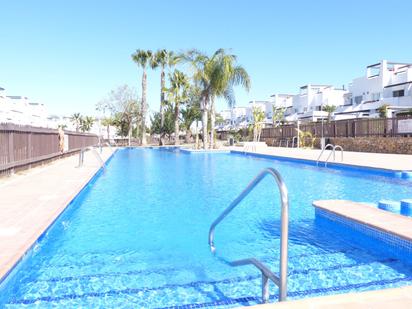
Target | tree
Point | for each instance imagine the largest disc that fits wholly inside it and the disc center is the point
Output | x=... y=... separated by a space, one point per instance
x=258 y=118
x=383 y=111
x=123 y=103
x=329 y=109
x=107 y=122
x=143 y=58
x=163 y=58
x=201 y=76
x=226 y=74
x=216 y=76
x=278 y=115
x=177 y=95
x=86 y=123
x=76 y=119
x=191 y=114
x=168 y=125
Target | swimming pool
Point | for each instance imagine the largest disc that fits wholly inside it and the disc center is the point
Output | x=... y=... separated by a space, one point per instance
x=137 y=236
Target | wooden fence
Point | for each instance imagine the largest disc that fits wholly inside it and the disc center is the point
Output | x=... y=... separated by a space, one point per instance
x=384 y=127
x=22 y=146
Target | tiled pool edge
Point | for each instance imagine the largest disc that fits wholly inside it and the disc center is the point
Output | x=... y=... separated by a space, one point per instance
x=396 y=239
x=67 y=202
x=337 y=166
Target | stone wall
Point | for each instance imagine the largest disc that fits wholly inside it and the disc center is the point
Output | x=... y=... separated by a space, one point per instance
x=400 y=145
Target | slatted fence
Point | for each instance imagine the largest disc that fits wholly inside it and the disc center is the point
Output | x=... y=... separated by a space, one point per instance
x=23 y=146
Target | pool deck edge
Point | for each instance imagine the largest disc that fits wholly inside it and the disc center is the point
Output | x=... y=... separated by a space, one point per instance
x=400 y=298
x=379 y=162
x=26 y=216
x=385 y=221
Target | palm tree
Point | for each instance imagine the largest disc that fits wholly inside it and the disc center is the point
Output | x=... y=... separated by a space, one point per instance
x=160 y=59
x=216 y=76
x=329 y=109
x=258 y=118
x=107 y=122
x=178 y=94
x=143 y=58
x=226 y=74
x=76 y=119
x=191 y=113
x=86 y=123
x=203 y=73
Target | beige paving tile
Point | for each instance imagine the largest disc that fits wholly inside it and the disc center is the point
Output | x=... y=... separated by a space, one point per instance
x=376 y=160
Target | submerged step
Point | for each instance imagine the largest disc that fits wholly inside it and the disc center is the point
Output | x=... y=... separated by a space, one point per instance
x=406 y=207
x=392 y=206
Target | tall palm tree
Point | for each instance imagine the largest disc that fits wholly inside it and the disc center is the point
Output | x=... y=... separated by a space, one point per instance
x=203 y=73
x=226 y=74
x=86 y=123
x=216 y=76
x=160 y=59
x=143 y=59
x=76 y=119
x=178 y=94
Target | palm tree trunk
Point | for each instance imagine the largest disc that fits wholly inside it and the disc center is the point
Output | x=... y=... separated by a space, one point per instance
x=197 y=135
x=187 y=136
x=130 y=134
x=143 y=108
x=204 y=122
x=177 y=123
x=162 y=102
x=212 y=121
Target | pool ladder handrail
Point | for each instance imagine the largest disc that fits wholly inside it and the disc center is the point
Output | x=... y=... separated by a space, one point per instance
x=107 y=144
x=281 y=280
x=96 y=154
x=333 y=151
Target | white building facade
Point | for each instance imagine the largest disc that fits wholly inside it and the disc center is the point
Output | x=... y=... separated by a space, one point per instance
x=385 y=83
x=308 y=105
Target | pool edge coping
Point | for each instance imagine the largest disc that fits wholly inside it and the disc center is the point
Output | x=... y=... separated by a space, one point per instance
x=396 y=173
x=20 y=256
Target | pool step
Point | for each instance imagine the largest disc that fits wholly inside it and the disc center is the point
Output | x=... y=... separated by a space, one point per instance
x=141 y=285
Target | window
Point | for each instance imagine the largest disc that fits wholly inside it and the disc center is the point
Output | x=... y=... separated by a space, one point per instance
x=398 y=93
x=358 y=99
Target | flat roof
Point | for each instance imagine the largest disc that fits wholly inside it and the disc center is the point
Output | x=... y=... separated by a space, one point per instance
x=282 y=94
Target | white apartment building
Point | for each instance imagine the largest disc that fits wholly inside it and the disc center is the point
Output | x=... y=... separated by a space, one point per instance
x=237 y=117
x=282 y=102
x=385 y=83
x=309 y=103
x=265 y=106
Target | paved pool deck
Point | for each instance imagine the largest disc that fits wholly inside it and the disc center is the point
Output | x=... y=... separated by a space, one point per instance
x=398 y=162
x=33 y=199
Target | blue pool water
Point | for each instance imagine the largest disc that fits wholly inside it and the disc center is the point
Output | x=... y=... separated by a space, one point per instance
x=137 y=236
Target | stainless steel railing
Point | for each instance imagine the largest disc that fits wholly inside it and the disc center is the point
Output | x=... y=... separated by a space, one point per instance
x=332 y=153
x=281 y=280
x=96 y=154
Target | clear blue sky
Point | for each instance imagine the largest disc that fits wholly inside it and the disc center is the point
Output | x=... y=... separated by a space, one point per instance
x=69 y=54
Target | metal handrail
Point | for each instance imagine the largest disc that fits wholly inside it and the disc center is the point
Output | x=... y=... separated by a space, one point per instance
x=96 y=154
x=341 y=152
x=280 y=281
x=323 y=150
x=334 y=157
